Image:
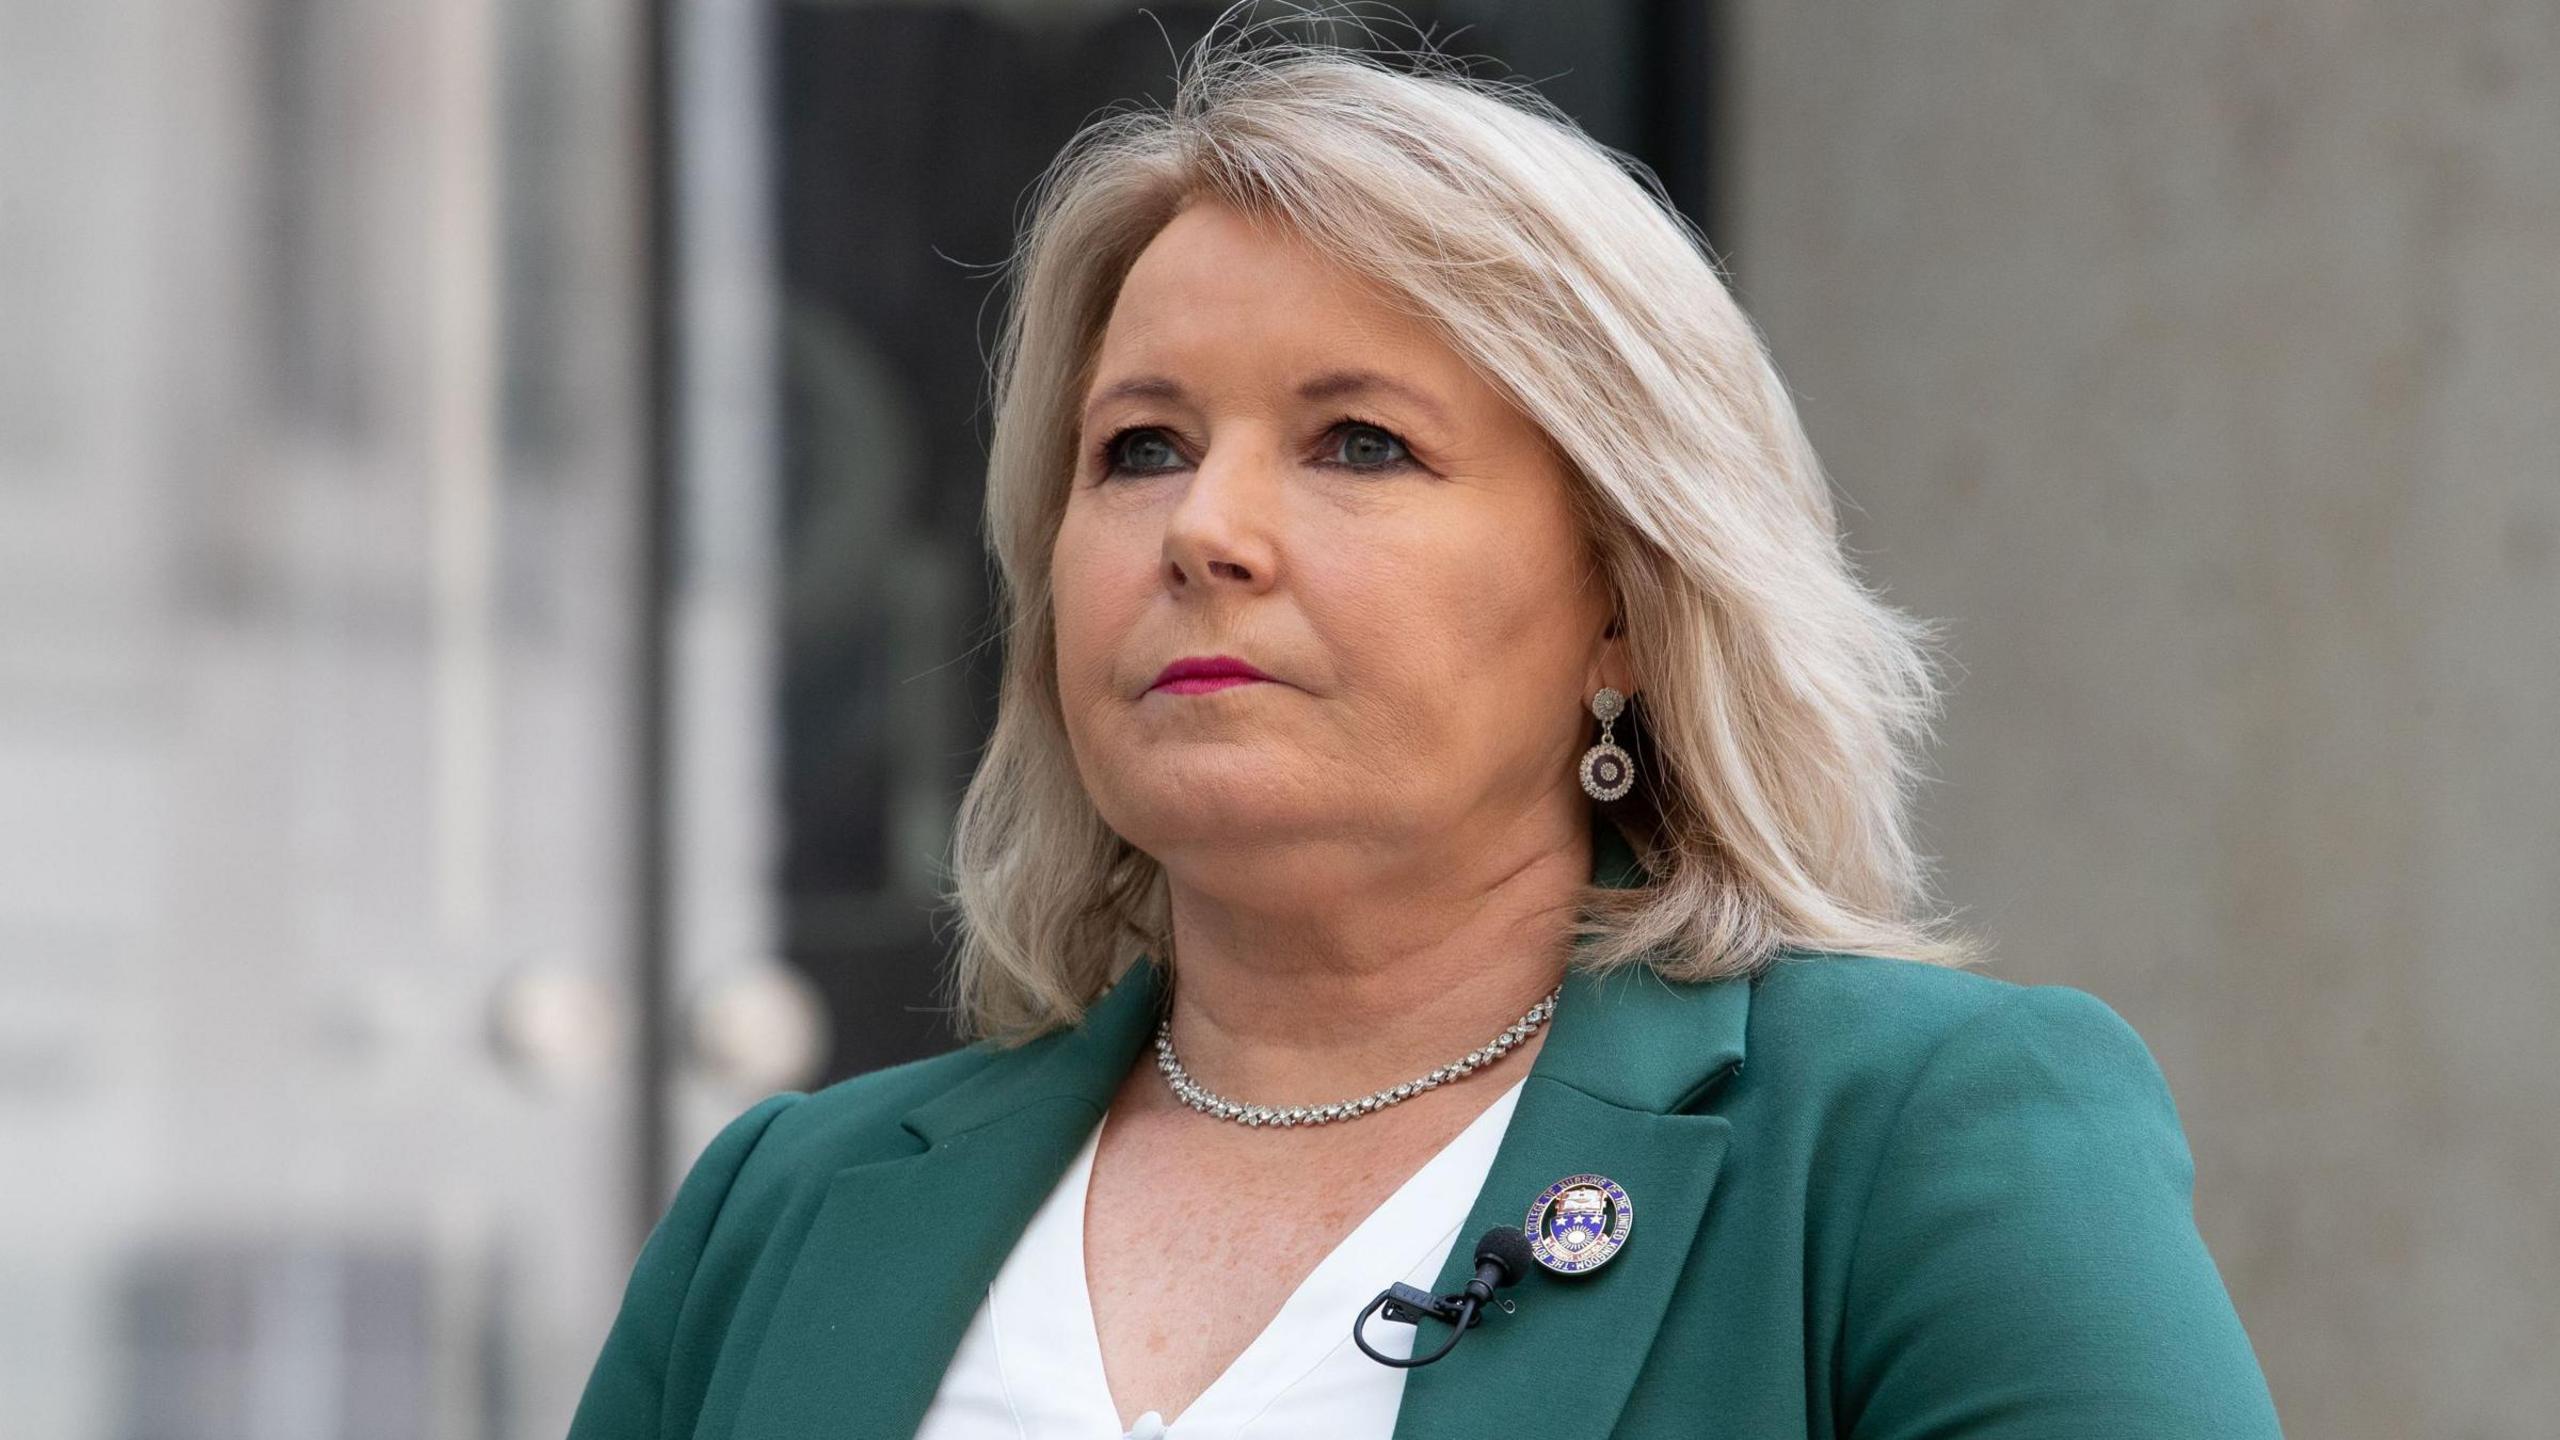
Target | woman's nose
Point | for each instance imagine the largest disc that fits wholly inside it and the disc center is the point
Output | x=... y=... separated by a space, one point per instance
x=1221 y=531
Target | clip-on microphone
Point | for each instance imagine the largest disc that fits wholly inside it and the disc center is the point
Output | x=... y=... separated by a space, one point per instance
x=1502 y=1257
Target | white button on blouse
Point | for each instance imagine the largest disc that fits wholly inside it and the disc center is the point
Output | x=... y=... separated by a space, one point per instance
x=1030 y=1365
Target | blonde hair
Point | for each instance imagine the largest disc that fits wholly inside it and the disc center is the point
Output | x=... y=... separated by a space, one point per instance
x=1779 y=705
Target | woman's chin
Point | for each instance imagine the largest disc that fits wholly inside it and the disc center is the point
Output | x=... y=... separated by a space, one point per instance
x=1224 y=809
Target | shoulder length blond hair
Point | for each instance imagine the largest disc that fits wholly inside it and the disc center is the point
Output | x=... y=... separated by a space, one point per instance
x=1779 y=704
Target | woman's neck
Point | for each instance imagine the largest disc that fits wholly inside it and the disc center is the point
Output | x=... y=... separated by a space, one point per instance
x=1358 y=987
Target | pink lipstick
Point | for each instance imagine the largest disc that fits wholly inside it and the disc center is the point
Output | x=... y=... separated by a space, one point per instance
x=1200 y=674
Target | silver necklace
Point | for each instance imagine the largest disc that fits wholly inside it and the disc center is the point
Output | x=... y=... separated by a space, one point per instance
x=1209 y=1103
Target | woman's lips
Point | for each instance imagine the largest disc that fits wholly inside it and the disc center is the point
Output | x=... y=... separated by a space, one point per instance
x=1200 y=674
x=1203 y=684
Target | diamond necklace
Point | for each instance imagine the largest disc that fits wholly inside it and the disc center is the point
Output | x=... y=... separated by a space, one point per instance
x=1220 y=1107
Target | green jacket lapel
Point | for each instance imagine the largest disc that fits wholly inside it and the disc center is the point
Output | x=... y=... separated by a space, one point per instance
x=1625 y=1054
x=861 y=1335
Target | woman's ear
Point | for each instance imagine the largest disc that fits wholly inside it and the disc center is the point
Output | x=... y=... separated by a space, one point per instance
x=1613 y=657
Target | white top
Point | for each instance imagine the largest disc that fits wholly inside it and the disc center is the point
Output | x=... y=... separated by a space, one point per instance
x=1030 y=1365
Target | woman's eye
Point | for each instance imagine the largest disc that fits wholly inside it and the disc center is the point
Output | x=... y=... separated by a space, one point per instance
x=1371 y=447
x=1130 y=449
x=1143 y=449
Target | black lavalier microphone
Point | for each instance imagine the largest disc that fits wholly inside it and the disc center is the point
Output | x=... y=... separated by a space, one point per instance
x=1502 y=1257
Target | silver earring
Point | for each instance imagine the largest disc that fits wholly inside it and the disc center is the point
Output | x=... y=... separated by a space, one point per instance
x=1607 y=772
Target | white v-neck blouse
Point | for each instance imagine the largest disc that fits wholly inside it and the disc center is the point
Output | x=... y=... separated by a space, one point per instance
x=1030 y=1365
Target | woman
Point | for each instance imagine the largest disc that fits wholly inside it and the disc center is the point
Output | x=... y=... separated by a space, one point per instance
x=1447 y=778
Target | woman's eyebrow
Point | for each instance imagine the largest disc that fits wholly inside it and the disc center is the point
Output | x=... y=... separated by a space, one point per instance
x=1343 y=384
x=1331 y=385
x=1144 y=387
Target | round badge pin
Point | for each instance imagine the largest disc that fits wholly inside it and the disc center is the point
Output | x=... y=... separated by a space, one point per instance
x=1580 y=1221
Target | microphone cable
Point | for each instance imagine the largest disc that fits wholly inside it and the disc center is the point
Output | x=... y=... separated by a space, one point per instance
x=1502 y=1257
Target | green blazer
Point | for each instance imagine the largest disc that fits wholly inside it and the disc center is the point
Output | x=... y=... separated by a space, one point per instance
x=1874 y=1198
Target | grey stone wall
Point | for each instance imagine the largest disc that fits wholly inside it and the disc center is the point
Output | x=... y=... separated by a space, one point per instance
x=2197 y=363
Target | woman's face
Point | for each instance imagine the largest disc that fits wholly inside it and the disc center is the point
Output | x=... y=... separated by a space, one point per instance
x=1278 y=467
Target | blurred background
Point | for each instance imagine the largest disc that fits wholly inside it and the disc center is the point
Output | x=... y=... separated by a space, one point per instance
x=492 y=627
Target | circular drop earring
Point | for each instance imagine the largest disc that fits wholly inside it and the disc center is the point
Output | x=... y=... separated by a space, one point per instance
x=1607 y=772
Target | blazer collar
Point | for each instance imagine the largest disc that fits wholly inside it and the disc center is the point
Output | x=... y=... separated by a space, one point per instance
x=857 y=1341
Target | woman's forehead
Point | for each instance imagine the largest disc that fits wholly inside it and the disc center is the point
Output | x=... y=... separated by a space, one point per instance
x=1272 y=335
x=1212 y=272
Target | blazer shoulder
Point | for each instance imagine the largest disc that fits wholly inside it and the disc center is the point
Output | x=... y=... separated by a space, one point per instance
x=1984 y=1160
x=1827 y=1022
x=856 y=1118
x=1886 y=1002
